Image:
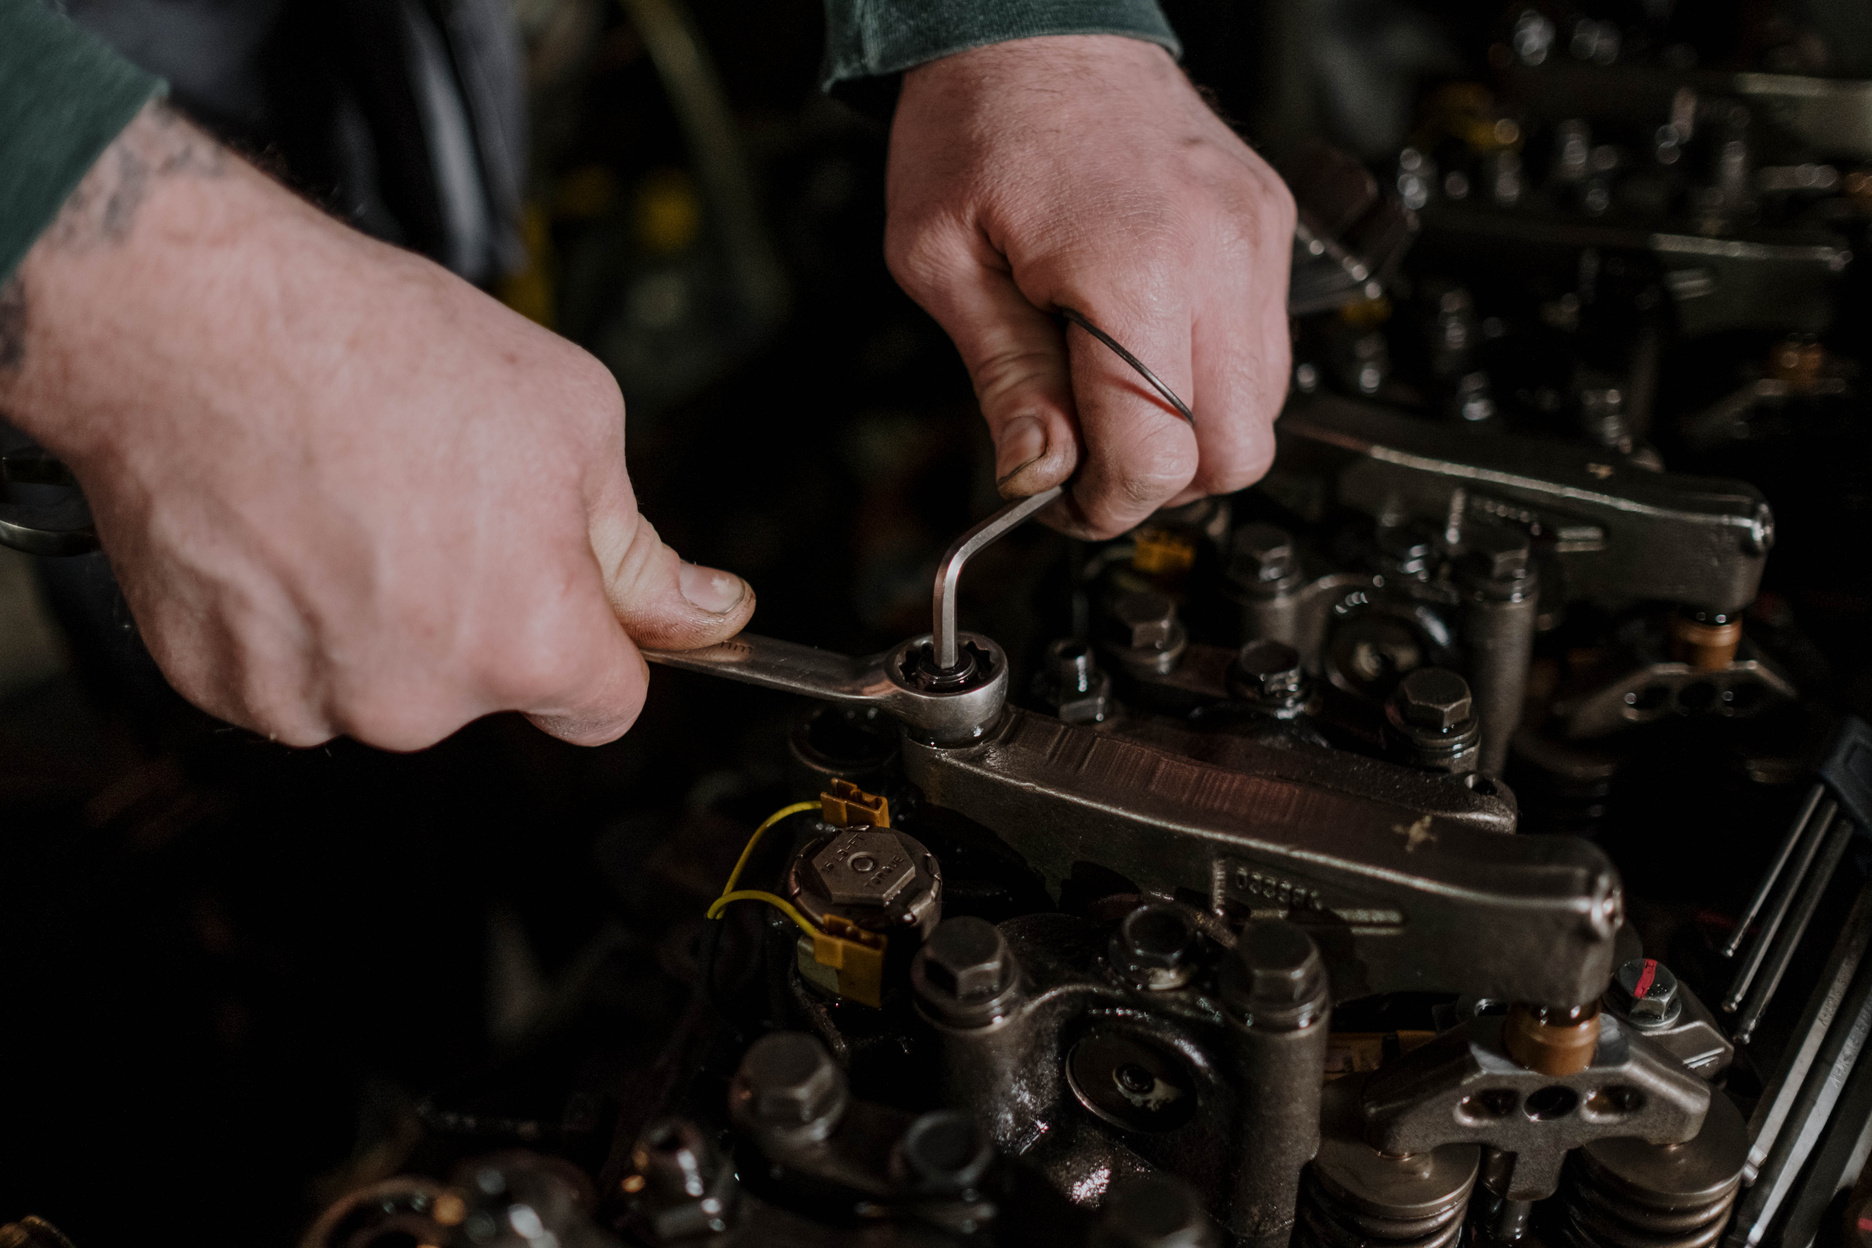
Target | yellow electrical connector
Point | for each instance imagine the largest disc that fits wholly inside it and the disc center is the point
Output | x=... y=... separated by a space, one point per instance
x=846 y=805
x=839 y=956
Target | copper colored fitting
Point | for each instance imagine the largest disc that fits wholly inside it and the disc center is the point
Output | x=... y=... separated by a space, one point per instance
x=1708 y=647
x=1549 y=1041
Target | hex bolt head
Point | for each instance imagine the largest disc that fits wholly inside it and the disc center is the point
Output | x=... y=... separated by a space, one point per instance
x=1145 y=620
x=1155 y=946
x=1262 y=554
x=1497 y=553
x=965 y=973
x=1069 y=680
x=1155 y=1211
x=1433 y=697
x=1644 y=991
x=1276 y=977
x=1267 y=671
x=792 y=1082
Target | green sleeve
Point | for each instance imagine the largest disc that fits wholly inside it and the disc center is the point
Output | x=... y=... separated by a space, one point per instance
x=869 y=38
x=63 y=97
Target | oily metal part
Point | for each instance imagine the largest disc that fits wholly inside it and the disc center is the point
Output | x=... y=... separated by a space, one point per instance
x=1463 y=1087
x=1620 y=533
x=1406 y=881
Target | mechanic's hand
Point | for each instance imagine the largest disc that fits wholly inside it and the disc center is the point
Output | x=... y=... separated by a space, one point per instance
x=344 y=491
x=1084 y=171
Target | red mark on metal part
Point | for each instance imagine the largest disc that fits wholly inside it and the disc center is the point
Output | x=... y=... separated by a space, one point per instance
x=1644 y=979
x=1865 y=1224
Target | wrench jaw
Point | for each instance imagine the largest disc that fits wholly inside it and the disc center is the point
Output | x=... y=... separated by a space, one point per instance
x=934 y=707
x=952 y=708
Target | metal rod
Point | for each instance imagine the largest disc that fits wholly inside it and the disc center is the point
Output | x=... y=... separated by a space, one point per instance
x=949 y=571
x=1774 y=870
x=1823 y=1006
x=1838 y=1157
x=1788 y=939
x=1785 y=892
x=1169 y=395
x=1819 y=1093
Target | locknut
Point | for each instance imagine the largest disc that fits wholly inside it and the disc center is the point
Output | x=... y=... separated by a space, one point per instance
x=1644 y=992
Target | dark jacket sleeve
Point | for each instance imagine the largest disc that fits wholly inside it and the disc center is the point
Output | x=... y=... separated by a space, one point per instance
x=870 y=38
x=63 y=97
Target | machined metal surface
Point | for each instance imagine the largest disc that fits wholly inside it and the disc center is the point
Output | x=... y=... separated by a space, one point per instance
x=1405 y=880
x=886 y=681
x=1618 y=532
x=1463 y=1087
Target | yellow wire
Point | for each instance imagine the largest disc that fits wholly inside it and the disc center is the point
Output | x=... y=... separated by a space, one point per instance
x=784 y=812
x=754 y=894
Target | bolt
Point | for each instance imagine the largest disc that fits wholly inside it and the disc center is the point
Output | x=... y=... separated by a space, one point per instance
x=1263 y=555
x=1276 y=978
x=1497 y=553
x=1069 y=680
x=1155 y=1211
x=1073 y=665
x=944 y=1152
x=964 y=970
x=1146 y=620
x=1268 y=672
x=792 y=1082
x=1153 y=946
x=1645 y=992
x=1433 y=697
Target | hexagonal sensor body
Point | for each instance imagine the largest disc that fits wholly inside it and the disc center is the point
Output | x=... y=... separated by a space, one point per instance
x=864 y=867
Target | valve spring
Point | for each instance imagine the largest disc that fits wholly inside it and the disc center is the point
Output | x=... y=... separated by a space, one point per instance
x=1329 y=1222
x=1601 y=1212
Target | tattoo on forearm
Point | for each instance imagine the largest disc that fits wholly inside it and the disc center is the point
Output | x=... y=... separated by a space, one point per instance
x=101 y=212
x=158 y=144
x=12 y=324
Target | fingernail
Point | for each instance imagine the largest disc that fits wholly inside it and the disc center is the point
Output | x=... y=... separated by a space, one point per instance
x=1023 y=440
x=715 y=592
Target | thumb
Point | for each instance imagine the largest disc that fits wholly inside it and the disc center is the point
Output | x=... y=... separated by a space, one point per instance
x=662 y=601
x=1016 y=357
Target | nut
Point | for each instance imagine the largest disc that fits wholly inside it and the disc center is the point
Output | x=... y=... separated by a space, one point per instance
x=1644 y=991
x=1433 y=697
x=792 y=1082
x=864 y=867
x=1146 y=620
